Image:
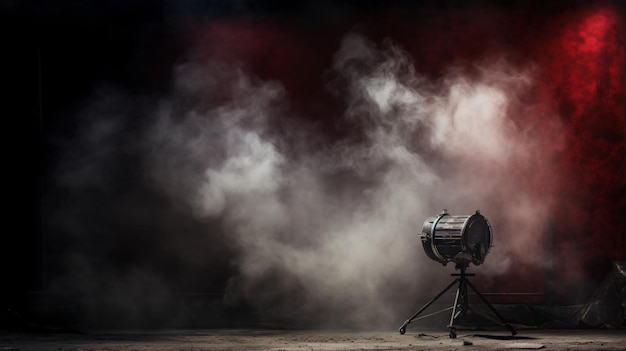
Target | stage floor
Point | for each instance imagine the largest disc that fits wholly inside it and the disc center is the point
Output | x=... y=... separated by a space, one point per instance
x=269 y=339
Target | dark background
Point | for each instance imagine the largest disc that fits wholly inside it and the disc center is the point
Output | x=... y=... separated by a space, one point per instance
x=57 y=53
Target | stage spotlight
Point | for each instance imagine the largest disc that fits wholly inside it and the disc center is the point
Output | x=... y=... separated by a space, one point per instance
x=458 y=239
x=462 y=240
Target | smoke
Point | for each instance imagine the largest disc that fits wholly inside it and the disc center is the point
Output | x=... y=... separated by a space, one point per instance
x=323 y=228
x=293 y=172
x=303 y=225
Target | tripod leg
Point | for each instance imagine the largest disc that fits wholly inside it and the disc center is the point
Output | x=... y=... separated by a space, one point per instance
x=463 y=297
x=404 y=325
x=504 y=323
x=454 y=311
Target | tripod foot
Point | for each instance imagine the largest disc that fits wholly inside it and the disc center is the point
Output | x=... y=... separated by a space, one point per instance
x=402 y=329
x=452 y=333
x=511 y=329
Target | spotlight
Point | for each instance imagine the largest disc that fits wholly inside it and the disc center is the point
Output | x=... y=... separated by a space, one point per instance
x=458 y=239
x=462 y=240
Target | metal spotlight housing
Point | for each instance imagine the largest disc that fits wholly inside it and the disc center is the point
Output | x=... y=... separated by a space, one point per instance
x=458 y=239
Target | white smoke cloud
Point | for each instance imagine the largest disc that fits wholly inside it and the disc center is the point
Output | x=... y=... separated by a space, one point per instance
x=328 y=230
x=333 y=228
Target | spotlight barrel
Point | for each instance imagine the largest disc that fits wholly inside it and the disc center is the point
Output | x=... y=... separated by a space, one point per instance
x=459 y=239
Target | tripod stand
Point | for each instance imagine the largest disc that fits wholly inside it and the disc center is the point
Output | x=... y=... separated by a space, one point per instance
x=460 y=306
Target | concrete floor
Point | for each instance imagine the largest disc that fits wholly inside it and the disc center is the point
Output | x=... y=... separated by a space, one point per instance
x=265 y=339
